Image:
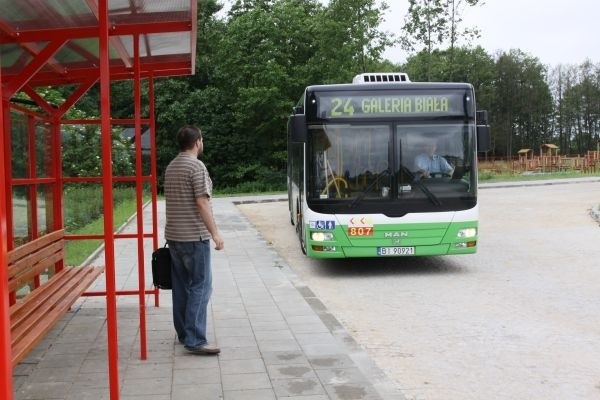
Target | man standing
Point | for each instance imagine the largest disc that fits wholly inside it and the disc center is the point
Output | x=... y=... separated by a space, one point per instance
x=190 y=225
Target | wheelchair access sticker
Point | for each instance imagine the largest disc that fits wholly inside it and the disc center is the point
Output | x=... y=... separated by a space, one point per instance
x=322 y=225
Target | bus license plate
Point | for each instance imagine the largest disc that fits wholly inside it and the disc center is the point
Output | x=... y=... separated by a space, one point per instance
x=395 y=251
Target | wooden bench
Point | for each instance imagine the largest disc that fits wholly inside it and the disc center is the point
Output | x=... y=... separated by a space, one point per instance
x=33 y=315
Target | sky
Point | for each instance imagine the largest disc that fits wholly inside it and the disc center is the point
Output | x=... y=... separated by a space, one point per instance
x=554 y=31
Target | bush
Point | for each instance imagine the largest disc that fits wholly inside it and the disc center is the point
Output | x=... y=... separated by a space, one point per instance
x=84 y=204
x=262 y=180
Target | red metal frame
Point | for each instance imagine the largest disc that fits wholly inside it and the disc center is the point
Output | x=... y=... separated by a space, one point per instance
x=39 y=65
x=153 y=171
x=6 y=388
x=139 y=194
x=107 y=190
x=32 y=189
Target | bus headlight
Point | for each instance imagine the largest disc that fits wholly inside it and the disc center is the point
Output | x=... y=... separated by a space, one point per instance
x=467 y=232
x=321 y=236
x=464 y=245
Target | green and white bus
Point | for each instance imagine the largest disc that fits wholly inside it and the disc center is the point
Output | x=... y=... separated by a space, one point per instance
x=355 y=187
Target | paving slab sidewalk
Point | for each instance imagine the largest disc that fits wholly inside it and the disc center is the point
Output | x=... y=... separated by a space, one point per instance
x=277 y=339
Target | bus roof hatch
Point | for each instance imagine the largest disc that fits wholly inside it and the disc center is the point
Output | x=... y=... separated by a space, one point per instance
x=381 y=77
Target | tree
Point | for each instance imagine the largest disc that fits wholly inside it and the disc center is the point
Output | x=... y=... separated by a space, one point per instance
x=81 y=152
x=262 y=67
x=454 y=11
x=579 y=117
x=350 y=39
x=425 y=25
x=429 y=24
x=522 y=104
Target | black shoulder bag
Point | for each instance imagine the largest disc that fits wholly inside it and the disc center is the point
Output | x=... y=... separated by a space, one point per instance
x=161 y=268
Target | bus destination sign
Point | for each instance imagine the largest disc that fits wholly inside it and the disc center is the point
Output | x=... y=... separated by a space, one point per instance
x=342 y=105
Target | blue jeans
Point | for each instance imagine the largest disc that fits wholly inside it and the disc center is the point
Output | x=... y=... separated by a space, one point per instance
x=192 y=287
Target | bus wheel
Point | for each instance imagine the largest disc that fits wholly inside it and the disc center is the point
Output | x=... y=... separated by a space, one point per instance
x=301 y=235
x=292 y=220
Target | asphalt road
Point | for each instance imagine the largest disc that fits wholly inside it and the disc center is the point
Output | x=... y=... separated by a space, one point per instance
x=518 y=320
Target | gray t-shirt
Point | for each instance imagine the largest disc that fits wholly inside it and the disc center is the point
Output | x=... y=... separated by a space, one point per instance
x=186 y=179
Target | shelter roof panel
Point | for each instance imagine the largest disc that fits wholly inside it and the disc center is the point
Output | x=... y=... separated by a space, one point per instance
x=166 y=29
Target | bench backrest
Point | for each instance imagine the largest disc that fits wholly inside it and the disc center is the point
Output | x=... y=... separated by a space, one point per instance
x=31 y=259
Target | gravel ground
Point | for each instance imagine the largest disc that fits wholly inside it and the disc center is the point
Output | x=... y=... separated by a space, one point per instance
x=517 y=320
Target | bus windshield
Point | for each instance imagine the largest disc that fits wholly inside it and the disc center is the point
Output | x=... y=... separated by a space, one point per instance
x=410 y=167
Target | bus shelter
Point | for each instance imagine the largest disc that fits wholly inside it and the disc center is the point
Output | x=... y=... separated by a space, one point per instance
x=81 y=44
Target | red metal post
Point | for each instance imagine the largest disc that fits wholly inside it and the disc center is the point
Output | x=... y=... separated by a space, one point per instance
x=17 y=82
x=153 y=174
x=7 y=183
x=57 y=188
x=139 y=192
x=31 y=189
x=153 y=163
x=76 y=95
x=109 y=243
x=6 y=384
x=39 y=100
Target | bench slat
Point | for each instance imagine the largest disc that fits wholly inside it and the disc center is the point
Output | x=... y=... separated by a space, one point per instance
x=35 y=300
x=37 y=312
x=19 y=266
x=39 y=301
x=34 y=245
x=28 y=274
x=50 y=308
x=65 y=288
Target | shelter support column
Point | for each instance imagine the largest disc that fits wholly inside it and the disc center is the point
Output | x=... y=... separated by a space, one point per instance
x=107 y=186
x=6 y=384
x=7 y=181
x=153 y=172
x=139 y=186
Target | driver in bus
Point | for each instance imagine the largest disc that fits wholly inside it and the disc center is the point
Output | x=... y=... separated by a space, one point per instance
x=428 y=164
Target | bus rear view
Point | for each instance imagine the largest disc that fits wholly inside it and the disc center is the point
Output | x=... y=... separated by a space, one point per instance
x=385 y=167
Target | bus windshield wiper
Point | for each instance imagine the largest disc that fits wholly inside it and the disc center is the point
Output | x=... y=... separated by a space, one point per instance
x=432 y=197
x=369 y=187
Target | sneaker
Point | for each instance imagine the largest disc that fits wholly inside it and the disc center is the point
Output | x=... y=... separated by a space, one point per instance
x=205 y=349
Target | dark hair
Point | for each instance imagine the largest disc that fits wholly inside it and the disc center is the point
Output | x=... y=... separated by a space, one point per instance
x=187 y=137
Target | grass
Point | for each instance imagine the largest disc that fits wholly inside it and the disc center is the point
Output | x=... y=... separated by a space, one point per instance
x=490 y=177
x=79 y=250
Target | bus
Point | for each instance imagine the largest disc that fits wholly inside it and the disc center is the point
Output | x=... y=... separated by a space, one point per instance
x=355 y=187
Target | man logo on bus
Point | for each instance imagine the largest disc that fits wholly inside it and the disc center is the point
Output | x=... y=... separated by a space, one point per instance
x=395 y=234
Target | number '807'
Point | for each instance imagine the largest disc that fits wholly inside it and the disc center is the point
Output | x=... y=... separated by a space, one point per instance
x=360 y=231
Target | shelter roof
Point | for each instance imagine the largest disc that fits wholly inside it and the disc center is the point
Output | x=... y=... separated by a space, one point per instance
x=56 y=41
x=549 y=146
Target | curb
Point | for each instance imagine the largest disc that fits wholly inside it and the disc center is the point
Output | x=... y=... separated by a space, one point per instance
x=382 y=384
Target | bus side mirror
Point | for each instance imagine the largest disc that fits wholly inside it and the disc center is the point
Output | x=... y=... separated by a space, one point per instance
x=298 y=128
x=481 y=117
x=483 y=138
